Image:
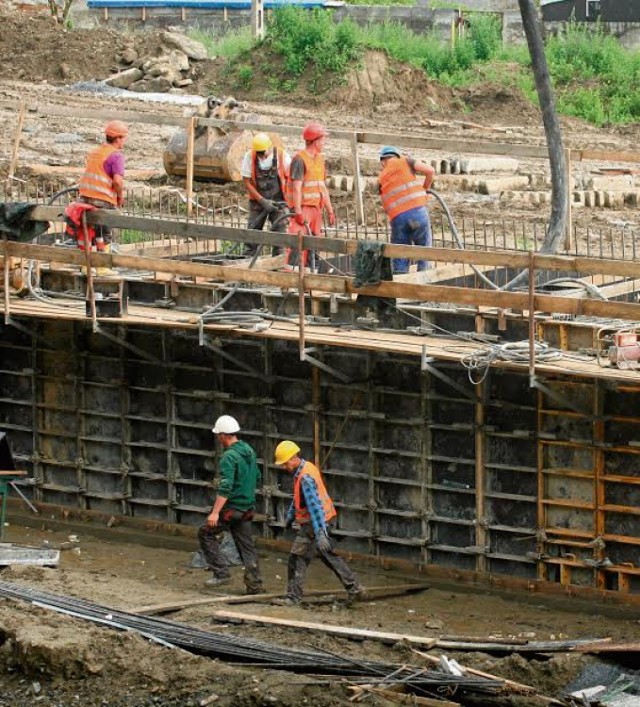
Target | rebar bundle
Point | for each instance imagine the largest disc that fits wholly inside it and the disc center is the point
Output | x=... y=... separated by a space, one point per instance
x=251 y=652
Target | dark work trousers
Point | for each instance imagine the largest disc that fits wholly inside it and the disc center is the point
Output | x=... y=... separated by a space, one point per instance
x=303 y=551
x=258 y=217
x=238 y=523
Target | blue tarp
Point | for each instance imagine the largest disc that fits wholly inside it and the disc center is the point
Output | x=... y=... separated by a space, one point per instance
x=202 y=4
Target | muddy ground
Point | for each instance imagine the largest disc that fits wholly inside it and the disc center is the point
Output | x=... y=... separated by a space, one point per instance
x=57 y=660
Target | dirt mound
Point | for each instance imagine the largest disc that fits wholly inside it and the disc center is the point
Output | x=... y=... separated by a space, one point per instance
x=500 y=106
x=34 y=48
x=385 y=85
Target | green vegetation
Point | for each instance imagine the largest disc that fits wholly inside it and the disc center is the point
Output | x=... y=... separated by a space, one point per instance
x=594 y=76
x=311 y=39
x=231 y=45
x=450 y=64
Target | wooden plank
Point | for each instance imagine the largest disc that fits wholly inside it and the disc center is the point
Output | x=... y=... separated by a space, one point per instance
x=191 y=128
x=167 y=607
x=368 y=137
x=337 y=284
x=600 y=648
x=13 y=164
x=453 y=145
x=605 y=156
x=127 y=116
x=343 y=246
x=358 y=634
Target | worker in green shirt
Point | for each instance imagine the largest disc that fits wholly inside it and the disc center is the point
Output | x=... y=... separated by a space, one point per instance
x=233 y=508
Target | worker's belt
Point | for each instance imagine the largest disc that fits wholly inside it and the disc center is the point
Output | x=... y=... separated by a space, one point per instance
x=231 y=514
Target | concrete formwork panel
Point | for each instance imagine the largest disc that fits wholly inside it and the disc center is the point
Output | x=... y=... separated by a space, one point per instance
x=496 y=477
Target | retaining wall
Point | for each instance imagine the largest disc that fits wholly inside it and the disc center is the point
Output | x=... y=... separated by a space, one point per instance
x=495 y=478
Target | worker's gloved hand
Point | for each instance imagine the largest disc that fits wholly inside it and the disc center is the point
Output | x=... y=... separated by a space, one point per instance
x=268 y=205
x=323 y=542
x=332 y=218
x=299 y=219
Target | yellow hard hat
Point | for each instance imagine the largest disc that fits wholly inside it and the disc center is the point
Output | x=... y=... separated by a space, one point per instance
x=285 y=451
x=261 y=142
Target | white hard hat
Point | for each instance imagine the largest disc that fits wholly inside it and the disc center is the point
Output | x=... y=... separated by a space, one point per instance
x=226 y=425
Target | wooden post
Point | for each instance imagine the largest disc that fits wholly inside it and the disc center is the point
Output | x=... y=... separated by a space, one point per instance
x=568 y=236
x=7 y=299
x=183 y=14
x=16 y=144
x=357 y=180
x=301 y=292
x=532 y=321
x=315 y=391
x=87 y=251
x=257 y=19
x=191 y=137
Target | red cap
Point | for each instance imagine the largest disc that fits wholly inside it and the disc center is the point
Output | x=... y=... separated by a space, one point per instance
x=313 y=131
x=116 y=128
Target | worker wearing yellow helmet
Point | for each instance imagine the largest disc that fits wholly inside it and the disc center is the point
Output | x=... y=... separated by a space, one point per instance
x=102 y=184
x=313 y=510
x=264 y=172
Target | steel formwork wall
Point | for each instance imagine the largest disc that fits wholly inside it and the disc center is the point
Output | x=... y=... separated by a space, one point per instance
x=495 y=477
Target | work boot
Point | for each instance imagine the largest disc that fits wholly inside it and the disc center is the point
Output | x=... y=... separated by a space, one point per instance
x=250 y=591
x=286 y=601
x=358 y=593
x=217 y=581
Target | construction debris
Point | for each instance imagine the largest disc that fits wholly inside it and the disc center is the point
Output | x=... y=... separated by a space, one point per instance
x=19 y=555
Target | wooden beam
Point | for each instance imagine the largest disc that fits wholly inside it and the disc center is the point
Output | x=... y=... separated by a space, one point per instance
x=168 y=607
x=510 y=259
x=368 y=137
x=358 y=634
x=336 y=284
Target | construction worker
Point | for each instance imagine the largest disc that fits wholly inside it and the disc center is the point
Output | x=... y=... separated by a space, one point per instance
x=313 y=510
x=307 y=193
x=405 y=202
x=233 y=508
x=102 y=184
x=264 y=173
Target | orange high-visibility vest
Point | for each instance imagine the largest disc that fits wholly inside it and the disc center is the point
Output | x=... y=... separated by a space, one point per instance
x=278 y=156
x=400 y=191
x=314 y=176
x=95 y=182
x=302 y=512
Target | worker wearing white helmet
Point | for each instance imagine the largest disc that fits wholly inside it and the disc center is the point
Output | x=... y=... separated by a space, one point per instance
x=233 y=508
x=264 y=170
x=313 y=510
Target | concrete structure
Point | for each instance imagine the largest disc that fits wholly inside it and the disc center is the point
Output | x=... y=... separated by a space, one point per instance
x=524 y=476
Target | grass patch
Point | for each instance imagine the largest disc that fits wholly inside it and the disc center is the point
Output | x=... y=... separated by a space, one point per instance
x=310 y=39
x=231 y=45
x=597 y=78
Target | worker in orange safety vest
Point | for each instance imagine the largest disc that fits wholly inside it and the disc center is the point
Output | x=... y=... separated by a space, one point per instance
x=307 y=193
x=404 y=200
x=313 y=510
x=102 y=184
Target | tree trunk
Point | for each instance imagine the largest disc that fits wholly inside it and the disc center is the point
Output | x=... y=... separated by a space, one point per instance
x=559 y=186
